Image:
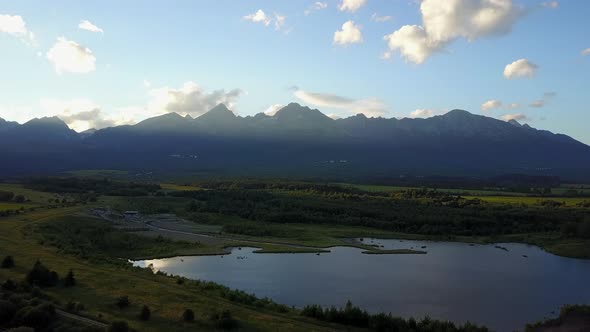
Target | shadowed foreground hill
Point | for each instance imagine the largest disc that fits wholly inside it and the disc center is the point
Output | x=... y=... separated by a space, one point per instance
x=298 y=139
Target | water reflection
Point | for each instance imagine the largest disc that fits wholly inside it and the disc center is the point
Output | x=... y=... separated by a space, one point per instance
x=500 y=288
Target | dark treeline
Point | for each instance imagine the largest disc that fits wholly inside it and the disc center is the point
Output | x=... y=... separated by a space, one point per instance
x=84 y=185
x=278 y=185
x=355 y=316
x=508 y=182
x=416 y=211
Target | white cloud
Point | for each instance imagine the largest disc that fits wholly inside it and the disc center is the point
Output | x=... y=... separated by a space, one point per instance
x=550 y=4
x=372 y=106
x=445 y=21
x=81 y=114
x=547 y=96
x=279 y=21
x=490 y=105
x=16 y=26
x=351 y=5
x=273 y=109
x=69 y=56
x=376 y=18
x=259 y=17
x=412 y=42
x=87 y=25
x=146 y=83
x=496 y=104
x=350 y=34
x=521 y=68
x=318 y=5
x=422 y=113
x=515 y=116
x=190 y=99
x=585 y=52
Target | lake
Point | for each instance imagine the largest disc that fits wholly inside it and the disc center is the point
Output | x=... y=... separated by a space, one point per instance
x=484 y=284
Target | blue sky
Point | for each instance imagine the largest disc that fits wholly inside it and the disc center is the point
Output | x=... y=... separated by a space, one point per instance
x=152 y=58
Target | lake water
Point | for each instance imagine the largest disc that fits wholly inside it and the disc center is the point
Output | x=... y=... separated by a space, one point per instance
x=459 y=282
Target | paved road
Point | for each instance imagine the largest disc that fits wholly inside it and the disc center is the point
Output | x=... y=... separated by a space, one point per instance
x=85 y=320
x=197 y=236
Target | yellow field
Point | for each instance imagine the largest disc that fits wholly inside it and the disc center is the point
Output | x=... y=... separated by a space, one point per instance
x=569 y=201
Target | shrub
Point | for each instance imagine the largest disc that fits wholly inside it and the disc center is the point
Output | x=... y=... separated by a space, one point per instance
x=123 y=302
x=8 y=262
x=36 y=317
x=145 y=313
x=10 y=285
x=224 y=320
x=188 y=315
x=42 y=276
x=118 y=326
x=69 y=280
x=7 y=311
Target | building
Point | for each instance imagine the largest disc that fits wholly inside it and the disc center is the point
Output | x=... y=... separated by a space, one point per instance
x=130 y=215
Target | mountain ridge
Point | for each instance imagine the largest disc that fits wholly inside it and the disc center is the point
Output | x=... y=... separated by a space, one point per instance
x=295 y=137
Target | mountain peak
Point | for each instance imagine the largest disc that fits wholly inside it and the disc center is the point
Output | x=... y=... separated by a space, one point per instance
x=514 y=123
x=48 y=120
x=171 y=119
x=457 y=113
x=220 y=108
x=218 y=114
x=295 y=111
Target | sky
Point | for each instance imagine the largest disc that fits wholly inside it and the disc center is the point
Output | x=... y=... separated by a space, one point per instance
x=98 y=64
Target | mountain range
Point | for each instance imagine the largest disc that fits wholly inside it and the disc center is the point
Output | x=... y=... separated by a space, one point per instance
x=296 y=140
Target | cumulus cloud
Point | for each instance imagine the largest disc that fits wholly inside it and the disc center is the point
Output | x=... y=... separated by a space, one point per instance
x=273 y=109
x=69 y=56
x=318 y=5
x=259 y=17
x=515 y=116
x=372 y=106
x=16 y=26
x=412 y=42
x=496 y=104
x=81 y=114
x=521 y=68
x=87 y=25
x=490 y=105
x=350 y=34
x=190 y=99
x=422 y=113
x=380 y=19
x=445 y=21
x=585 y=52
x=351 y=5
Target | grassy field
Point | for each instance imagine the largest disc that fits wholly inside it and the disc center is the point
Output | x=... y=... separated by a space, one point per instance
x=35 y=197
x=177 y=187
x=106 y=173
x=567 y=201
x=100 y=284
x=389 y=189
x=16 y=206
